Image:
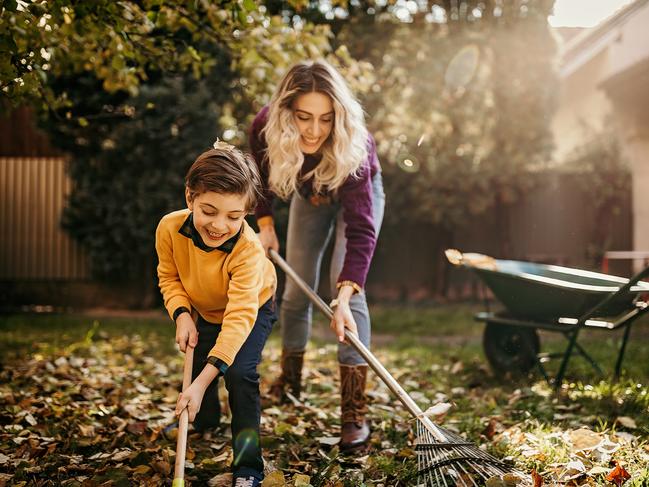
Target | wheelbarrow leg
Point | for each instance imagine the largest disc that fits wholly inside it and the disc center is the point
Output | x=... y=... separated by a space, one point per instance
x=589 y=359
x=620 y=355
x=544 y=373
x=566 y=357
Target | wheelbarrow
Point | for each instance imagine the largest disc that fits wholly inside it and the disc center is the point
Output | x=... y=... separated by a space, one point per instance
x=552 y=298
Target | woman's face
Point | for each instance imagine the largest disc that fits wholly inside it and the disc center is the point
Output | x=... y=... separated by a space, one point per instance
x=314 y=117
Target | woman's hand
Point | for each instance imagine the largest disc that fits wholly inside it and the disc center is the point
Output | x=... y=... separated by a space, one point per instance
x=191 y=399
x=268 y=238
x=186 y=333
x=343 y=317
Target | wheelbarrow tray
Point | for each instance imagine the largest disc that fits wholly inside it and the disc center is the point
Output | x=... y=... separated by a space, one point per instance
x=545 y=292
x=552 y=298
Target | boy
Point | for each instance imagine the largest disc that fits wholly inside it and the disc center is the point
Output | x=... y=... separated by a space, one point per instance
x=211 y=262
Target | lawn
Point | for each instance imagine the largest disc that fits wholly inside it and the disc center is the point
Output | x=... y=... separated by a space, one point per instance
x=84 y=400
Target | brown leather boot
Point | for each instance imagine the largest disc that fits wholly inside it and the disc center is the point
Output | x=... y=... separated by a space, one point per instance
x=355 y=431
x=290 y=379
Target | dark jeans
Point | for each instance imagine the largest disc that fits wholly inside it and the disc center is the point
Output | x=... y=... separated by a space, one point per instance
x=242 y=383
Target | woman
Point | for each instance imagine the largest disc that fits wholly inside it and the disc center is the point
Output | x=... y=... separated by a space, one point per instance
x=313 y=148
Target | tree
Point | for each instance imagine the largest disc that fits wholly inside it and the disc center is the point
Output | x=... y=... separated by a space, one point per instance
x=133 y=92
x=121 y=43
x=603 y=175
x=461 y=109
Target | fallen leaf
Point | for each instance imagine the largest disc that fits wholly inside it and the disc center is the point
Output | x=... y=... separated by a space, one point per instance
x=300 y=480
x=585 y=439
x=221 y=480
x=274 y=479
x=627 y=422
x=141 y=469
x=618 y=475
x=138 y=428
x=537 y=479
x=328 y=440
x=457 y=367
x=492 y=428
x=87 y=430
x=439 y=409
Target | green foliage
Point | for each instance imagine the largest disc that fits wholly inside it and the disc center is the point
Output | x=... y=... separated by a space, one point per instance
x=122 y=42
x=462 y=105
x=133 y=92
x=129 y=162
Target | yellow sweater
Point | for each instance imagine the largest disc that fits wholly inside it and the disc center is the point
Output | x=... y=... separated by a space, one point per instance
x=226 y=288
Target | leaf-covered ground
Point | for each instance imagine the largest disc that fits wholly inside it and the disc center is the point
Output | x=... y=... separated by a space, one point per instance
x=86 y=404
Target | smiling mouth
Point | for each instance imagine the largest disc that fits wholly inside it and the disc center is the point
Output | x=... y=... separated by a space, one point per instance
x=310 y=141
x=216 y=236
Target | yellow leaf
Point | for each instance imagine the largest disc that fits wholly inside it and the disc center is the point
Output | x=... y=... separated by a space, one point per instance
x=274 y=479
x=300 y=480
x=142 y=469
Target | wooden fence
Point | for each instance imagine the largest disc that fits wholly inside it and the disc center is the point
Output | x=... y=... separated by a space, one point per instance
x=33 y=246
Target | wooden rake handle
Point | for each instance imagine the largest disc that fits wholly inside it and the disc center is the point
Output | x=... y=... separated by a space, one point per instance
x=183 y=423
x=369 y=357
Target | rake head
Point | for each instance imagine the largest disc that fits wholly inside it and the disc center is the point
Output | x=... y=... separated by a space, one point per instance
x=456 y=462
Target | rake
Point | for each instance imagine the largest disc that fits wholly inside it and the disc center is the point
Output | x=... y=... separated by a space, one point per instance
x=444 y=458
x=183 y=423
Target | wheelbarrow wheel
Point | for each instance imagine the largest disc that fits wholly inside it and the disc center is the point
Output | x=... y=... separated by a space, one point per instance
x=510 y=348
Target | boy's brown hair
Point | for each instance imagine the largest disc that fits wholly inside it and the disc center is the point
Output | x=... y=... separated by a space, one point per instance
x=224 y=170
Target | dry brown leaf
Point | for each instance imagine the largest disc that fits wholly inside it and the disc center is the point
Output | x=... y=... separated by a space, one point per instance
x=221 y=480
x=142 y=469
x=618 y=475
x=627 y=422
x=585 y=439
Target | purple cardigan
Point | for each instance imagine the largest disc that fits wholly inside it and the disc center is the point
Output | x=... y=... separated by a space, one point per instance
x=355 y=197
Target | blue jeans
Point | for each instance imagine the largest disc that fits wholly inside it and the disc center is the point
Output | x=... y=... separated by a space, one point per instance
x=242 y=383
x=310 y=228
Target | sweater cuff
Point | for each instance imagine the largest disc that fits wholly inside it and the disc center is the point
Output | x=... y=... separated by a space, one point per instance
x=357 y=288
x=221 y=366
x=180 y=310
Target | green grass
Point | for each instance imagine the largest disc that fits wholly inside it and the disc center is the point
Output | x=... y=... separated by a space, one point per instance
x=434 y=352
x=441 y=333
x=25 y=334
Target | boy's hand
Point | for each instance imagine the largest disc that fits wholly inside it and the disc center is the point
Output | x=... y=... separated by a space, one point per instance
x=268 y=238
x=190 y=399
x=186 y=333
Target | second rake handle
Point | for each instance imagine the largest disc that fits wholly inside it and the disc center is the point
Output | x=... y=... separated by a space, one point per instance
x=412 y=407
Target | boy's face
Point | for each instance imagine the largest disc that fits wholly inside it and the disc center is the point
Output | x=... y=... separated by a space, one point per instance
x=217 y=216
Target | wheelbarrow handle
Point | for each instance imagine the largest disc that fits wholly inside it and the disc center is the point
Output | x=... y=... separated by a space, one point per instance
x=183 y=423
x=621 y=291
x=369 y=357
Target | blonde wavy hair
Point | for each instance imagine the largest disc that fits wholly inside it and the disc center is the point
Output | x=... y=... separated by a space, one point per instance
x=344 y=150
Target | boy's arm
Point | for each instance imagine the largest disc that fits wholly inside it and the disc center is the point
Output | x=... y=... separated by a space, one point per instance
x=246 y=280
x=174 y=294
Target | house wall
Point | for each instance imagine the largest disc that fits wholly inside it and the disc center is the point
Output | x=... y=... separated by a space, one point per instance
x=632 y=43
x=614 y=83
x=582 y=106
